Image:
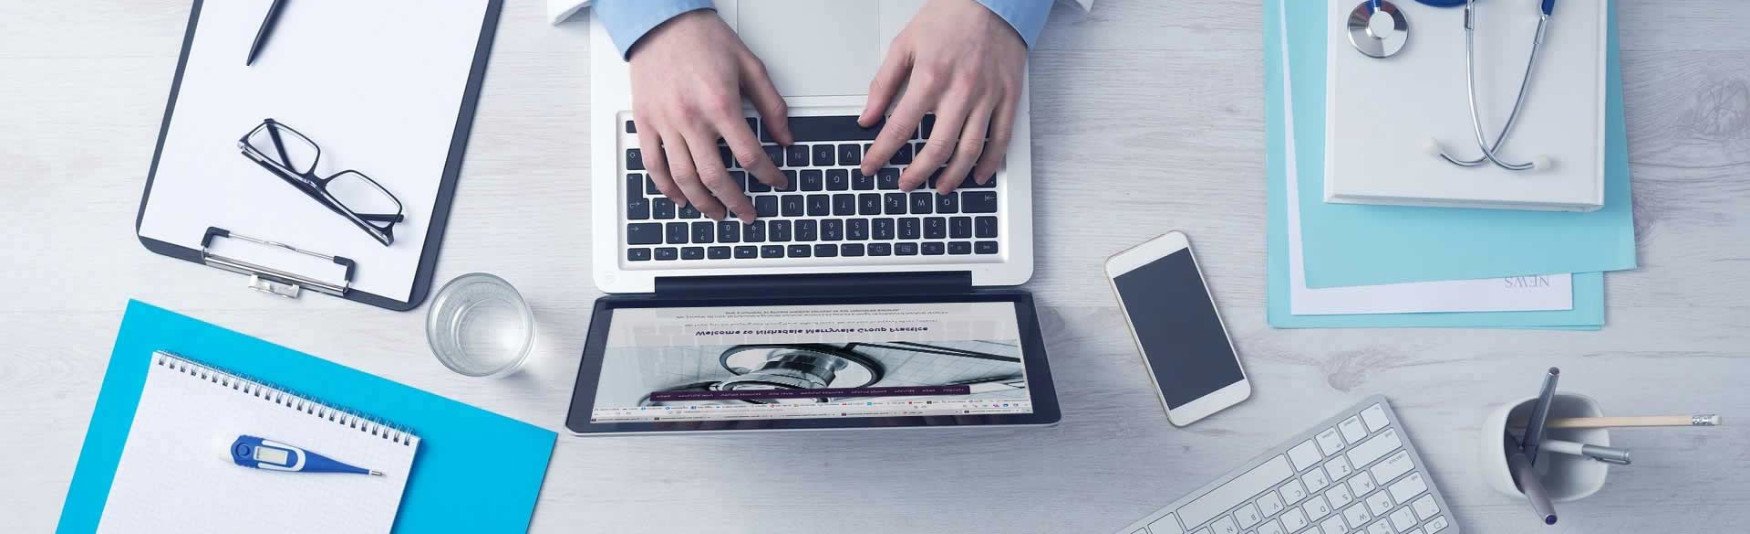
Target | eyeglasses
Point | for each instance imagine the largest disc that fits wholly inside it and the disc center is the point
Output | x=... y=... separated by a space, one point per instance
x=292 y=156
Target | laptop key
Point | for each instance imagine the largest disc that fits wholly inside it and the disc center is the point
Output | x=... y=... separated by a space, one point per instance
x=634 y=159
x=832 y=230
x=960 y=227
x=799 y=251
x=638 y=209
x=811 y=180
x=747 y=252
x=677 y=233
x=807 y=230
x=850 y=155
x=905 y=249
x=774 y=153
x=933 y=248
x=823 y=155
x=978 y=202
x=883 y=229
x=792 y=205
x=634 y=186
x=860 y=181
x=844 y=204
x=838 y=180
x=928 y=126
x=826 y=251
x=921 y=203
x=832 y=128
x=880 y=249
x=689 y=212
x=887 y=178
x=729 y=231
x=868 y=203
x=631 y=128
x=959 y=248
x=985 y=227
x=894 y=203
x=704 y=231
x=644 y=234
x=819 y=205
x=789 y=182
x=935 y=228
x=754 y=232
x=857 y=229
x=692 y=253
x=740 y=179
x=779 y=231
x=765 y=205
x=901 y=156
x=772 y=251
x=637 y=254
x=909 y=228
x=796 y=156
x=851 y=250
x=949 y=203
x=985 y=247
x=666 y=254
x=727 y=157
x=662 y=208
x=717 y=253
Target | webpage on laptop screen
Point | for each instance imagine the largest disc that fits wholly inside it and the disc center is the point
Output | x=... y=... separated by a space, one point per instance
x=795 y=362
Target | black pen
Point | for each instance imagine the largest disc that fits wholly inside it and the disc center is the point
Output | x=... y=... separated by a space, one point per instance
x=273 y=16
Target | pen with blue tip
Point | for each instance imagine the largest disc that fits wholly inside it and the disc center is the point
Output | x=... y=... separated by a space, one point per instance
x=259 y=453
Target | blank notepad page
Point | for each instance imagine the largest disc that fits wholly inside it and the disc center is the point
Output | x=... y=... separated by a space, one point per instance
x=176 y=472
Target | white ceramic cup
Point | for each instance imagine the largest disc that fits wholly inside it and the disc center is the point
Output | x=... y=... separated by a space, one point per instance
x=1565 y=477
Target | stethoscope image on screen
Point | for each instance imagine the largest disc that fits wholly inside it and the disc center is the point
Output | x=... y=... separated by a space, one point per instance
x=1378 y=29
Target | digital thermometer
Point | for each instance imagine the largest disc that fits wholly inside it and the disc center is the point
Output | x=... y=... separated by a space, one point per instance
x=251 y=451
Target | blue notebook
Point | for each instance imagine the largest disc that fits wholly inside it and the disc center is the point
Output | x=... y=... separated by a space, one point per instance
x=476 y=471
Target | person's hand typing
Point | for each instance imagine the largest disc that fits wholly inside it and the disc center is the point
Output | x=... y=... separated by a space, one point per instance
x=688 y=79
x=962 y=62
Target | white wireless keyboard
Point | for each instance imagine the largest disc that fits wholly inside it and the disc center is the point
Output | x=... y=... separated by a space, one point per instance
x=1354 y=473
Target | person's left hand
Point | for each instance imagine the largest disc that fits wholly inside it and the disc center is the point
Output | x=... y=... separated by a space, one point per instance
x=962 y=62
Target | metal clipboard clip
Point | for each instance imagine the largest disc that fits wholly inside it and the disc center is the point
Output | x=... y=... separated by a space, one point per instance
x=270 y=280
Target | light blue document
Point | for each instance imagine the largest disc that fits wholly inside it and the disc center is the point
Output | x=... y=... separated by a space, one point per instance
x=476 y=471
x=1588 y=312
x=1351 y=245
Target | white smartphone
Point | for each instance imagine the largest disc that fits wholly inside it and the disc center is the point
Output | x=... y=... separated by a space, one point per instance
x=1172 y=317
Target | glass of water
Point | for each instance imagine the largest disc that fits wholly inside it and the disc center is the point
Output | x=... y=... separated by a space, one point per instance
x=480 y=326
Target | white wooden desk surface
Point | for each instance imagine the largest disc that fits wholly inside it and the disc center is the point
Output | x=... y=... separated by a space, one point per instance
x=1152 y=107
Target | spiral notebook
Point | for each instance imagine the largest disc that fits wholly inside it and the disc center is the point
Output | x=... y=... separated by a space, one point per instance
x=176 y=472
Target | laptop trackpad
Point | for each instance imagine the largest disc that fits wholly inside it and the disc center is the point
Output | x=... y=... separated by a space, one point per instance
x=814 y=48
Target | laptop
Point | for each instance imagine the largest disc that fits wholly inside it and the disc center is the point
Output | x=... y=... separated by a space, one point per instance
x=844 y=283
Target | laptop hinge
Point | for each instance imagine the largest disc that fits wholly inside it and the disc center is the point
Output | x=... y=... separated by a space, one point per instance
x=832 y=284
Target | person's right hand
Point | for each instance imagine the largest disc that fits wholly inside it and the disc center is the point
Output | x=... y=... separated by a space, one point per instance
x=688 y=78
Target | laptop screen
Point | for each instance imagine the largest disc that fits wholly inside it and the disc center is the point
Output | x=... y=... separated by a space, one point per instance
x=702 y=364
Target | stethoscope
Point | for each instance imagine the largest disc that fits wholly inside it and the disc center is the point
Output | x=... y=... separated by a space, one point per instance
x=1378 y=29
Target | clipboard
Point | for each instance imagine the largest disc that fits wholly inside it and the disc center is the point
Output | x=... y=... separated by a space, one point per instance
x=307 y=247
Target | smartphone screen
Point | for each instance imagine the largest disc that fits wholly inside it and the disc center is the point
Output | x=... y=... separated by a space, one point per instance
x=1176 y=324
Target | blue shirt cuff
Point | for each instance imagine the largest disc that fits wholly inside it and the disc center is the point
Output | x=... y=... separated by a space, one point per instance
x=1026 y=16
x=628 y=20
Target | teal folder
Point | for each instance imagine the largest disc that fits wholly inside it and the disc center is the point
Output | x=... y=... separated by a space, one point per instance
x=1354 y=244
x=476 y=471
x=1306 y=59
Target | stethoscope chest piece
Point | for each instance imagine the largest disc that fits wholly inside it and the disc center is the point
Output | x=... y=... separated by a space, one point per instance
x=1378 y=28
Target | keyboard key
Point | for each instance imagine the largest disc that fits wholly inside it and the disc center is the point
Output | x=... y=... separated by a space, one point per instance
x=692 y=253
x=796 y=156
x=689 y=212
x=1334 y=525
x=893 y=203
x=985 y=247
x=1305 y=455
x=1225 y=525
x=985 y=227
x=850 y=155
x=1316 y=508
x=729 y=231
x=1339 y=496
x=883 y=229
x=1408 y=488
x=1379 y=527
x=1374 y=418
x=831 y=230
x=921 y=203
x=857 y=229
x=910 y=228
x=644 y=234
x=823 y=155
x=637 y=254
x=650 y=188
x=1270 y=503
x=1435 y=525
x=717 y=253
x=634 y=186
x=677 y=233
x=666 y=254
x=790 y=182
x=959 y=248
x=779 y=230
x=1364 y=454
x=753 y=125
x=949 y=203
x=754 y=233
x=1425 y=507
x=868 y=204
x=728 y=157
x=1360 y=484
x=905 y=249
x=960 y=227
x=772 y=251
x=774 y=153
x=800 y=251
x=902 y=156
x=851 y=250
x=1388 y=470
x=887 y=178
x=935 y=228
x=1356 y=515
x=1330 y=441
x=978 y=202
x=1292 y=492
x=1293 y=520
x=1353 y=430
x=807 y=230
x=1167 y=524
x=634 y=159
x=812 y=180
x=740 y=179
x=1219 y=500
x=765 y=206
x=631 y=128
x=1402 y=520
x=1338 y=468
x=747 y=252
x=638 y=209
x=880 y=249
x=1248 y=515
x=662 y=208
x=927 y=126
x=826 y=251
x=838 y=180
x=830 y=128
x=844 y=204
x=704 y=232
x=819 y=205
x=792 y=205
x=1379 y=503
x=860 y=181
x=933 y=248
x=1273 y=527
x=1315 y=480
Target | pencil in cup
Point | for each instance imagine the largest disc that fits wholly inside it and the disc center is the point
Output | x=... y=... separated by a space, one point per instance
x=1631 y=421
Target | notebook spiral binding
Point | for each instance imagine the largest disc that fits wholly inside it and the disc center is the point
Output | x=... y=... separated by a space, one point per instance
x=284 y=397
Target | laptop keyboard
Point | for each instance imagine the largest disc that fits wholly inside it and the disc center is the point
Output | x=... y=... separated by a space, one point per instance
x=830 y=209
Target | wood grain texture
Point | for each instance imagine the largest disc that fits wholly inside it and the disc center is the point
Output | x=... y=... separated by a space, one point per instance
x=1160 y=99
